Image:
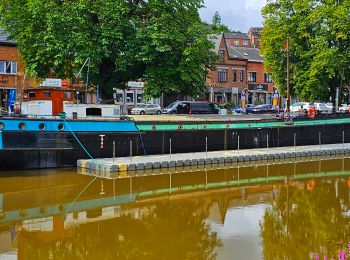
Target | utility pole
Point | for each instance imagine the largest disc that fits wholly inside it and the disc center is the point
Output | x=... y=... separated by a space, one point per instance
x=288 y=79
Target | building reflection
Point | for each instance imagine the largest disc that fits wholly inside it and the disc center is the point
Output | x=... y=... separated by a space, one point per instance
x=72 y=216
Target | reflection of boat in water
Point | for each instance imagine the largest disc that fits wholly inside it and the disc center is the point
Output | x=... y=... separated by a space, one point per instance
x=45 y=211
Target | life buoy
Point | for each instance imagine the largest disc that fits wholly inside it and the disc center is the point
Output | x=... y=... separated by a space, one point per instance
x=310 y=185
x=311 y=113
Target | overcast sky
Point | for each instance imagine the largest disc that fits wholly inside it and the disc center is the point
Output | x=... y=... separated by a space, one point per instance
x=236 y=14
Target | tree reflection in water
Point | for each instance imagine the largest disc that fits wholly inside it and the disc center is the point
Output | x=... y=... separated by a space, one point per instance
x=308 y=220
x=170 y=230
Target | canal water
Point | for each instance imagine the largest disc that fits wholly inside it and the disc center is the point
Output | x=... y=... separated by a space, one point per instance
x=275 y=210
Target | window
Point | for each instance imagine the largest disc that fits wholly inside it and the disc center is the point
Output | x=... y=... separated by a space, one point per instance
x=47 y=94
x=268 y=77
x=31 y=94
x=93 y=111
x=222 y=75
x=130 y=98
x=241 y=76
x=8 y=67
x=245 y=42
x=252 y=76
x=234 y=75
x=222 y=55
x=67 y=95
x=140 y=98
x=236 y=42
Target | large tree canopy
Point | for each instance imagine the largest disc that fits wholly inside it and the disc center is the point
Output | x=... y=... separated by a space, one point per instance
x=162 y=42
x=319 y=39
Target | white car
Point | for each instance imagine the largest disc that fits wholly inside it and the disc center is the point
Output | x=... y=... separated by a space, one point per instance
x=323 y=108
x=149 y=109
x=300 y=107
x=344 y=108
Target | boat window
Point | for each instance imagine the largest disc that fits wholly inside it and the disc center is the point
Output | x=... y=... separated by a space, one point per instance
x=42 y=126
x=22 y=126
x=2 y=126
x=47 y=94
x=67 y=95
x=60 y=126
x=93 y=111
x=31 y=94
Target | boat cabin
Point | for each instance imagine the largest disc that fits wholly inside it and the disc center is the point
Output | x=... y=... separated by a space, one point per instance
x=56 y=95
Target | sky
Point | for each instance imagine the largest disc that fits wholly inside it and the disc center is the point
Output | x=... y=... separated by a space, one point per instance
x=238 y=15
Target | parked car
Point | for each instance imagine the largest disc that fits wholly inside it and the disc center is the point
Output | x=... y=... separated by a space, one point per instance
x=323 y=108
x=263 y=109
x=171 y=109
x=300 y=107
x=248 y=109
x=344 y=108
x=186 y=107
x=148 y=109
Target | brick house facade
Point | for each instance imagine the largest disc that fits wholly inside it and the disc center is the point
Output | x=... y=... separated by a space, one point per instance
x=239 y=68
x=13 y=79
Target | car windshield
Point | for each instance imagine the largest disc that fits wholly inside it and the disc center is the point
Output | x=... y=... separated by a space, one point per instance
x=141 y=106
x=172 y=105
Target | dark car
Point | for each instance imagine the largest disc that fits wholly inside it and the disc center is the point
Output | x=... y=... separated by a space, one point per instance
x=187 y=107
x=263 y=109
x=171 y=109
x=248 y=109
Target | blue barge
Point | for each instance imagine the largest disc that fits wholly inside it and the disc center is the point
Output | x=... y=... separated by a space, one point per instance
x=28 y=143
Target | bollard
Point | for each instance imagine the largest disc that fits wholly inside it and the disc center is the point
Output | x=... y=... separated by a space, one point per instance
x=238 y=145
x=206 y=147
x=319 y=140
x=267 y=143
x=130 y=150
x=113 y=151
x=170 y=148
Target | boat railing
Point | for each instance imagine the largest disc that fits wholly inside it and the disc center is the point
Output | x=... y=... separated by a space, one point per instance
x=59 y=117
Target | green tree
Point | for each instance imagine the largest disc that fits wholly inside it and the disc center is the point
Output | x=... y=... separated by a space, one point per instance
x=162 y=42
x=216 y=24
x=319 y=39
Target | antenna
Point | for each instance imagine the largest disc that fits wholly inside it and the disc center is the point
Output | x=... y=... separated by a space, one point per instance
x=87 y=61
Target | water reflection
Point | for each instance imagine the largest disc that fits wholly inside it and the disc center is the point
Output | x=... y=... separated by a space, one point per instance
x=308 y=219
x=275 y=211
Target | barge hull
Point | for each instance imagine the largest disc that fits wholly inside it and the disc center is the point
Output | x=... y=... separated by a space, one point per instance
x=35 y=150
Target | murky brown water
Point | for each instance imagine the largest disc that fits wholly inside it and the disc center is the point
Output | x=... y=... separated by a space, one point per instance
x=276 y=211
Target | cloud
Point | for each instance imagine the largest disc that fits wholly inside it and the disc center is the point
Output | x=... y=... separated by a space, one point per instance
x=236 y=14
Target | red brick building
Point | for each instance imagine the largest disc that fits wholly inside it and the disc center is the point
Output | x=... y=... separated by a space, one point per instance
x=254 y=35
x=237 y=39
x=239 y=68
x=13 y=78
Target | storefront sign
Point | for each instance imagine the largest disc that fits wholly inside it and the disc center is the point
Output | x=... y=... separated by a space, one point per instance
x=52 y=83
x=216 y=85
x=135 y=84
x=259 y=87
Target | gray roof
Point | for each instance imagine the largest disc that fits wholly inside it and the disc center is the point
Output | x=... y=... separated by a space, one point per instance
x=244 y=53
x=4 y=38
x=216 y=39
x=236 y=35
